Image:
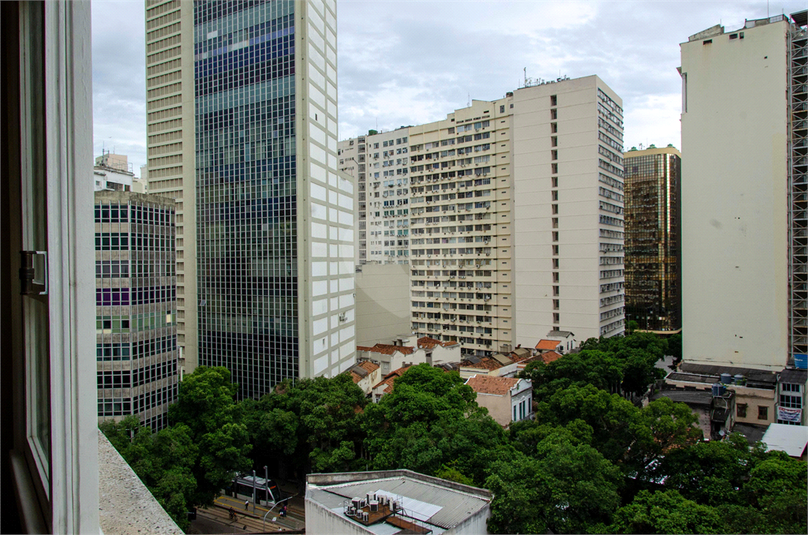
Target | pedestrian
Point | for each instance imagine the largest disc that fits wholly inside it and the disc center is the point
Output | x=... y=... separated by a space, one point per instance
x=283 y=511
x=246 y=504
x=232 y=513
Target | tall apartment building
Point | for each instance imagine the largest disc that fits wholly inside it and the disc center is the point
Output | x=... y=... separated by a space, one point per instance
x=136 y=331
x=516 y=224
x=652 y=192
x=275 y=219
x=171 y=146
x=744 y=188
x=380 y=164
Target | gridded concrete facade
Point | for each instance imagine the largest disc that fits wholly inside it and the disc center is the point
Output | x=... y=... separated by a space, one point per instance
x=653 y=297
x=380 y=162
x=136 y=331
x=170 y=142
x=274 y=219
x=516 y=218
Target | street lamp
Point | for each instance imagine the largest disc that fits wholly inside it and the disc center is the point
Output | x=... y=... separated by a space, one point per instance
x=263 y=521
x=266 y=482
x=253 y=491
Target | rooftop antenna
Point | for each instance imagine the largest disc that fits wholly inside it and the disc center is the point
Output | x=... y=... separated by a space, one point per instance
x=525 y=69
x=469 y=97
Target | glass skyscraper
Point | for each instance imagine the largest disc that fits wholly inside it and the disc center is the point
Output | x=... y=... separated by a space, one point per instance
x=274 y=220
x=652 y=189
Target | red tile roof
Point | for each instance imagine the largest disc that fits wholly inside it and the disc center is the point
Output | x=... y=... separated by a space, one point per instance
x=486 y=363
x=387 y=349
x=428 y=343
x=390 y=378
x=487 y=384
x=366 y=365
x=548 y=344
x=550 y=356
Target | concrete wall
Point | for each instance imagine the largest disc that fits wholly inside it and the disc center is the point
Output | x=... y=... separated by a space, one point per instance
x=734 y=219
x=499 y=407
x=382 y=303
x=576 y=196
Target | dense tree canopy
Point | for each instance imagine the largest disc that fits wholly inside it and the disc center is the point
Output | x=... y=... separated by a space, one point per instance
x=593 y=460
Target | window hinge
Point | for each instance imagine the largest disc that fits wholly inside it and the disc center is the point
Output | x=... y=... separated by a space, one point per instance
x=33 y=273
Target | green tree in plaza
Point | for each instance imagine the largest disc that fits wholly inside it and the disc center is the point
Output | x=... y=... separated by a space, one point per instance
x=206 y=405
x=566 y=487
x=313 y=424
x=430 y=419
x=665 y=512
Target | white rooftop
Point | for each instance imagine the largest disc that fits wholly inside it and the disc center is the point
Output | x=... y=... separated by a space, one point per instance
x=791 y=439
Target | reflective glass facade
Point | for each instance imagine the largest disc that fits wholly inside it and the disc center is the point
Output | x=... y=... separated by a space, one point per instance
x=244 y=84
x=274 y=219
x=652 y=186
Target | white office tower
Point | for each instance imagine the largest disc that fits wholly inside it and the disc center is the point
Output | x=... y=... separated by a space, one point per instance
x=744 y=195
x=516 y=218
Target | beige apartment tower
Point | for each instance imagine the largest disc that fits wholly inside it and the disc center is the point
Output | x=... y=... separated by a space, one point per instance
x=744 y=187
x=516 y=218
x=171 y=151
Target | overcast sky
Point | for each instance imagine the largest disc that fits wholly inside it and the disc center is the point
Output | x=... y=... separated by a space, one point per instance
x=403 y=63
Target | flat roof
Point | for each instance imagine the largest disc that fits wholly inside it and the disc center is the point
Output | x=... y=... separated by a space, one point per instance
x=438 y=502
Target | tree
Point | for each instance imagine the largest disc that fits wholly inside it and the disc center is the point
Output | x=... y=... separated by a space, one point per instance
x=430 y=419
x=665 y=512
x=777 y=487
x=206 y=405
x=675 y=347
x=568 y=487
x=312 y=424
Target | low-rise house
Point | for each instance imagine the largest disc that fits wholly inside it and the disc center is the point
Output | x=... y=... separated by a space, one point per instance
x=715 y=408
x=565 y=338
x=400 y=353
x=790 y=398
x=754 y=389
x=507 y=399
x=498 y=365
x=366 y=375
x=385 y=386
x=548 y=345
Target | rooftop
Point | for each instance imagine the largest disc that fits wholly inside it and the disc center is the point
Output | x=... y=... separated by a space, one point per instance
x=487 y=384
x=791 y=439
x=547 y=344
x=362 y=370
x=428 y=343
x=387 y=349
x=560 y=334
x=794 y=376
x=438 y=503
x=390 y=378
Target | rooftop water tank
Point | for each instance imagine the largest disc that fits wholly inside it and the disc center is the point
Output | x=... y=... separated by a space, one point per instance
x=726 y=378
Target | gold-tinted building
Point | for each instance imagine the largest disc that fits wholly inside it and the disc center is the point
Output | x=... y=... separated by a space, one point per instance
x=652 y=215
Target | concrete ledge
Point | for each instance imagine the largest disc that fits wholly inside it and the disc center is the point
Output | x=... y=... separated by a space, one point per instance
x=125 y=505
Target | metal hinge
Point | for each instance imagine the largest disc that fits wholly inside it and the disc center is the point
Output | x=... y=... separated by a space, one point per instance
x=33 y=273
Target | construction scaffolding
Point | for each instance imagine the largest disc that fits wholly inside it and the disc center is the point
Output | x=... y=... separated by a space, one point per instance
x=798 y=188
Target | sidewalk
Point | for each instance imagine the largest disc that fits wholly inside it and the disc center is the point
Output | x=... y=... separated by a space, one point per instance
x=294 y=521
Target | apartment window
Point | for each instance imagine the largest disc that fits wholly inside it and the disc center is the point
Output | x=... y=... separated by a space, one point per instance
x=553 y=100
x=554 y=181
x=555 y=263
x=554 y=154
x=741 y=408
x=763 y=412
x=555 y=222
x=554 y=114
x=556 y=291
x=556 y=318
x=554 y=195
x=556 y=304
x=555 y=249
x=502 y=109
x=554 y=141
x=555 y=235
x=555 y=209
x=554 y=128
x=555 y=276
x=554 y=168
